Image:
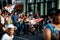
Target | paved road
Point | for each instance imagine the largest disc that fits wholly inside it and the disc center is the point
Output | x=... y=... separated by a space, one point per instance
x=29 y=37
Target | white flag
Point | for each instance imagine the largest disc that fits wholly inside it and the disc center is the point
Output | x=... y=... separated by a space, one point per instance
x=9 y=8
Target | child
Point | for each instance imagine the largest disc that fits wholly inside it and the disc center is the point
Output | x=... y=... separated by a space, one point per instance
x=10 y=31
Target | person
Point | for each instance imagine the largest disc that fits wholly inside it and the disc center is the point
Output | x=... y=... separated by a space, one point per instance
x=2 y=17
x=10 y=18
x=49 y=20
x=2 y=24
x=6 y=17
x=14 y=18
x=20 y=22
x=26 y=26
x=10 y=31
x=52 y=30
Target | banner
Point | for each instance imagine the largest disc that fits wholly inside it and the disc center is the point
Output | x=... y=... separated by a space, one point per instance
x=9 y=8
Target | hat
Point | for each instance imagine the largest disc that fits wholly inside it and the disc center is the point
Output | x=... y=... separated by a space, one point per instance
x=10 y=26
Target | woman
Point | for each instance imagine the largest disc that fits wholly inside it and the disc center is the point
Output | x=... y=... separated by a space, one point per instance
x=52 y=30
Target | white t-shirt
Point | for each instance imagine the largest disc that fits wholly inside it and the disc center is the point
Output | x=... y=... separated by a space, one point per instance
x=7 y=37
x=2 y=19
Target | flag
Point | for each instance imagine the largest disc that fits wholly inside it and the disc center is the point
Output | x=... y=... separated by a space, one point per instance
x=9 y=8
x=38 y=20
x=34 y=21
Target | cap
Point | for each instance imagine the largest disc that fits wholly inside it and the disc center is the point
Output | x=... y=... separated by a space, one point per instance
x=10 y=26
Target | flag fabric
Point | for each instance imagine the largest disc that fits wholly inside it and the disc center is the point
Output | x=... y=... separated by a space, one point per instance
x=34 y=21
x=9 y=8
x=38 y=20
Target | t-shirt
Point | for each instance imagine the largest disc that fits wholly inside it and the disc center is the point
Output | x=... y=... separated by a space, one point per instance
x=2 y=19
x=7 y=37
x=54 y=31
x=14 y=18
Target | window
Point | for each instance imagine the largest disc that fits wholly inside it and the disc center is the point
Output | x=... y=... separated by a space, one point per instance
x=48 y=5
x=35 y=8
x=30 y=1
x=50 y=0
x=42 y=9
x=20 y=1
x=4 y=3
x=41 y=6
x=39 y=1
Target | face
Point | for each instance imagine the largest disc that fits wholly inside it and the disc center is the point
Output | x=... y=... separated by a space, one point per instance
x=58 y=19
x=15 y=13
x=27 y=14
x=37 y=14
x=10 y=31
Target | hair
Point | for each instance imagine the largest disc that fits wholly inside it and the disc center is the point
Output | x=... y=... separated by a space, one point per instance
x=57 y=12
x=52 y=12
x=56 y=15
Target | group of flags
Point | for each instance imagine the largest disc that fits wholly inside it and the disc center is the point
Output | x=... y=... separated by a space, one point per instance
x=10 y=8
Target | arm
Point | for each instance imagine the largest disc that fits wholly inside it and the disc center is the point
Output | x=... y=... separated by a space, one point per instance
x=4 y=29
x=47 y=34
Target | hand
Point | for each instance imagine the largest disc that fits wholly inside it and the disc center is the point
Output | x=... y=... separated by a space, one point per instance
x=4 y=29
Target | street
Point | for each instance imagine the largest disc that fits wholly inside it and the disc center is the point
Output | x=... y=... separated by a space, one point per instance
x=38 y=36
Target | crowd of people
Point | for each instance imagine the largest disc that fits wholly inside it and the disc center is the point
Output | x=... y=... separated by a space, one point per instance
x=29 y=24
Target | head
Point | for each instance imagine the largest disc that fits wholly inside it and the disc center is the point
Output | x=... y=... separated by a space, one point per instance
x=49 y=17
x=5 y=13
x=20 y=15
x=10 y=29
x=28 y=14
x=56 y=18
x=51 y=12
x=37 y=14
x=15 y=13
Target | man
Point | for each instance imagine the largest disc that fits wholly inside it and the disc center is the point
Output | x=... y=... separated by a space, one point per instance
x=15 y=18
x=10 y=31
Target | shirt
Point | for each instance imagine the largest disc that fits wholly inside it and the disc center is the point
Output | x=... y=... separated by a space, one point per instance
x=7 y=37
x=54 y=31
x=2 y=19
x=14 y=18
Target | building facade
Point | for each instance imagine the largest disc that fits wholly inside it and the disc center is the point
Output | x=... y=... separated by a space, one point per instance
x=40 y=6
x=35 y=6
